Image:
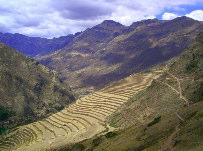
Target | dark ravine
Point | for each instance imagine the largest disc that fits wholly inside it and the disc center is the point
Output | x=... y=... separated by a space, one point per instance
x=28 y=90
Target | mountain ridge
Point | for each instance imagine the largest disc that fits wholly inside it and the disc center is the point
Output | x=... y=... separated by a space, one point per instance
x=98 y=53
x=33 y=46
x=42 y=46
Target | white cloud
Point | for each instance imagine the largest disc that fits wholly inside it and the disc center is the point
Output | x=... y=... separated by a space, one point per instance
x=196 y=14
x=169 y=16
x=51 y=18
x=127 y=16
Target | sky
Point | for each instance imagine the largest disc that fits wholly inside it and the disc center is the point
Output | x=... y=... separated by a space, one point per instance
x=54 y=18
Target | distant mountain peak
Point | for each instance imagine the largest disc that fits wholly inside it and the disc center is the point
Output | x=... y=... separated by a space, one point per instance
x=181 y=22
x=33 y=46
x=145 y=22
x=183 y=18
x=110 y=23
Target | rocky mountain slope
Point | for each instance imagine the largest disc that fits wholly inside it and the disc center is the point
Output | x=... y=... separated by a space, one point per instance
x=32 y=46
x=165 y=116
x=28 y=90
x=110 y=51
x=158 y=109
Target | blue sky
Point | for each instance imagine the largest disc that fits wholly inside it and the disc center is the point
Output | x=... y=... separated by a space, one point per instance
x=54 y=18
x=184 y=9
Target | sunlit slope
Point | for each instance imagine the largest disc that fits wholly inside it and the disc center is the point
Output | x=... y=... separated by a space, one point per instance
x=166 y=116
x=81 y=120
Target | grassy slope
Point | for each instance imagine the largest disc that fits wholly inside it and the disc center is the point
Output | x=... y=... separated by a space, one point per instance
x=28 y=90
x=158 y=118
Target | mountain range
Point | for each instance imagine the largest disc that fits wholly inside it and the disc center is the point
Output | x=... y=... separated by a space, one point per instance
x=110 y=51
x=33 y=46
x=156 y=109
x=98 y=88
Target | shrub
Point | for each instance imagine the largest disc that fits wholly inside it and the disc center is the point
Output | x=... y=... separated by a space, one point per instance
x=192 y=66
x=96 y=141
x=78 y=147
x=155 y=121
x=197 y=94
x=4 y=113
x=2 y=130
x=41 y=83
x=110 y=134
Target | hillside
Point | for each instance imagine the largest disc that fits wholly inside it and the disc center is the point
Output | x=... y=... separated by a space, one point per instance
x=28 y=90
x=110 y=51
x=33 y=46
x=159 y=109
x=81 y=120
x=165 y=116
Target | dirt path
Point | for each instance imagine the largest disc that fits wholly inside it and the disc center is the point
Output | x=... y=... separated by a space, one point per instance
x=179 y=91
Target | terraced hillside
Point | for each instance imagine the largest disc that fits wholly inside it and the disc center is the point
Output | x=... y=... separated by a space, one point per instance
x=78 y=121
x=166 y=116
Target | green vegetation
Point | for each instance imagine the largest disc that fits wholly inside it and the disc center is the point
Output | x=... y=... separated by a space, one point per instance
x=110 y=134
x=155 y=121
x=78 y=147
x=39 y=85
x=5 y=113
x=196 y=93
x=192 y=66
x=28 y=88
x=195 y=62
x=2 y=130
x=96 y=141
x=74 y=147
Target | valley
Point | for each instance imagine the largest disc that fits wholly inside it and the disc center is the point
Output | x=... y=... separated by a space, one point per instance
x=110 y=87
x=78 y=121
x=110 y=51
